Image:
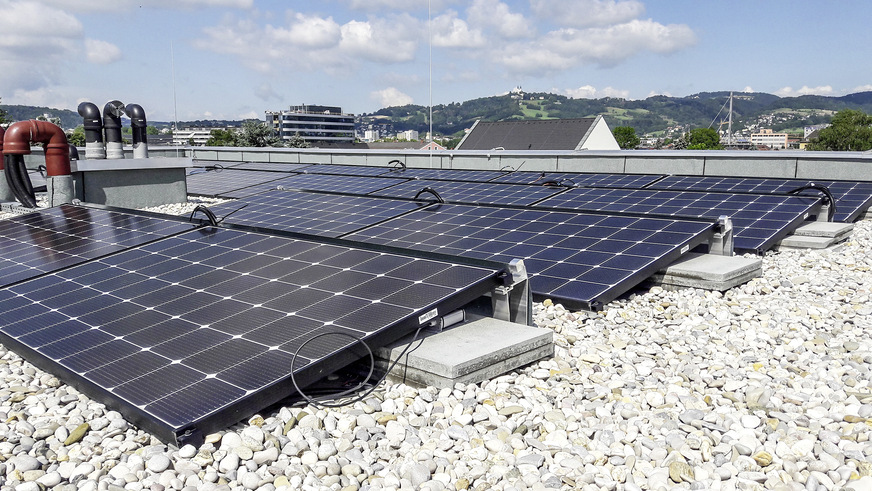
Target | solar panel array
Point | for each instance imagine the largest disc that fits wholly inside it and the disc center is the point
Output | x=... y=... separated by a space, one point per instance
x=581 y=179
x=187 y=333
x=472 y=192
x=852 y=197
x=320 y=214
x=271 y=166
x=448 y=174
x=759 y=221
x=582 y=260
x=55 y=238
x=227 y=182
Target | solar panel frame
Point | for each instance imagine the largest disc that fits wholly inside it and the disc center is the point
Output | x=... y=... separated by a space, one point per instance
x=759 y=220
x=331 y=183
x=473 y=192
x=582 y=179
x=853 y=198
x=168 y=337
x=348 y=170
x=285 y=167
x=447 y=174
x=328 y=215
x=580 y=242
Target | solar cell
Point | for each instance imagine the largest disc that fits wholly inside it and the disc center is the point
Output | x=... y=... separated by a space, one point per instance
x=326 y=215
x=581 y=179
x=852 y=197
x=447 y=174
x=184 y=358
x=223 y=182
x=324 y=182
x=54 y=238
x=473 y=192
x=581 y=259
x=759 y=221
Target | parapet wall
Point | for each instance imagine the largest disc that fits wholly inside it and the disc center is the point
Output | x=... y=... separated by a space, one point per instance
x=853 y=166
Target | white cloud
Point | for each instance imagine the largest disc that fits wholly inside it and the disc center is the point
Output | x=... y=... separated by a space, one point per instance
x=586 y=13
x=393 y=39
x=861 y=88
x=101 y=52
x=748 y=89
x=451 y=32
x=591 y=92
x=498 y=17
x=314 y=32
x=391 y=96
x=659 y=92
x=805 y=90
x=127 y=5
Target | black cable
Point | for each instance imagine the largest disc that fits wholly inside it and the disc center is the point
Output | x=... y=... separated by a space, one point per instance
x=320 y=401
x=232 y=212
x=398 y=165
x=825 y=190
x=14 y=168
x=432 y=191
x=512 y=169
x=42 y=170
x=213 y=220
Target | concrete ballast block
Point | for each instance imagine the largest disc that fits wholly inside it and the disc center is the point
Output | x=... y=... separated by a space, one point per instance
x=709 y=272
x=477 y=350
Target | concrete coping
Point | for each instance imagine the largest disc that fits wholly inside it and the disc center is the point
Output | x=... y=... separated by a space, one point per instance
x=130 y=164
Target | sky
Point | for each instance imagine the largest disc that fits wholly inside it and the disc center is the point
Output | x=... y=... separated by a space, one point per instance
x=235 y=59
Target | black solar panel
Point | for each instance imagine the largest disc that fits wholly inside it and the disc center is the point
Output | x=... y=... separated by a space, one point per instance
x=320 y=214
x=270 y=166
x=187 y=335
x=581 y=179
x=448 y=174
x=473 y=192
x=852 y=197
x=326 y=182
x=54 y=238
x=759 y=221
x=223 y=182
x=582 y=260
x=348 y=170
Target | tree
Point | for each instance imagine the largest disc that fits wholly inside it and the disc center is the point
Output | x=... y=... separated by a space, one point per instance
x=77 y=136
x=297 y=141
x=850 y=130
x=221 y=138
x=151 y=130
x=2 y=114
x=626 y=137
x=257 y=134
x=703 y=139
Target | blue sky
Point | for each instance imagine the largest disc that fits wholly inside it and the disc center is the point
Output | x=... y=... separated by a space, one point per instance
x=237 y=58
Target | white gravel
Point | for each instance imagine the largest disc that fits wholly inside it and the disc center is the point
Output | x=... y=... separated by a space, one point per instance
x=763 y=387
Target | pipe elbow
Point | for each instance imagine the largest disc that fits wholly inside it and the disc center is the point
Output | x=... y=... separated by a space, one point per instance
x=112 y=114
x=136 y=114
x=91 y=117
x=20 y=135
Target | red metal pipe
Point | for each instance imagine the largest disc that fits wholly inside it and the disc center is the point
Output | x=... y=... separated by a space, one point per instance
x=57 y=150
x=2 y=131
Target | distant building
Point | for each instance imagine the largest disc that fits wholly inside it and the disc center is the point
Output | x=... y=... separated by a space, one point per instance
x=540 y=134
x=768 y=138
x=408 y=135
x=313 y=123
x=191 y=136
x=370 y=135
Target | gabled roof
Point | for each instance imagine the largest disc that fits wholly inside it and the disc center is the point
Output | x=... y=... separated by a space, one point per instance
x=537 y=134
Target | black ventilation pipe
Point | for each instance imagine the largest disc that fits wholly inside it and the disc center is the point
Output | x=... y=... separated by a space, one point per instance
x=140 y=137
x=112 y=112
x=93 y=130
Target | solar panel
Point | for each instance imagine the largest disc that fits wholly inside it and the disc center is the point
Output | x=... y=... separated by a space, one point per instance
x=581 y=179
x=759 y=221
x=448 y=174
x=473 y=192
x=320 y=214
x=270 y=166
x=324 y=182
x=581 y=259
x=223 y=182
x=188 y=335
x=852 y=197
x=348 y=170
x=55 y=238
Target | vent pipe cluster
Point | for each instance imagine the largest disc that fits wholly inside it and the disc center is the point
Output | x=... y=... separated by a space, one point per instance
x=110 y=126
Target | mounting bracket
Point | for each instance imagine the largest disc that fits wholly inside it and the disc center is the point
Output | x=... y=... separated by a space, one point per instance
x=513 y=302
